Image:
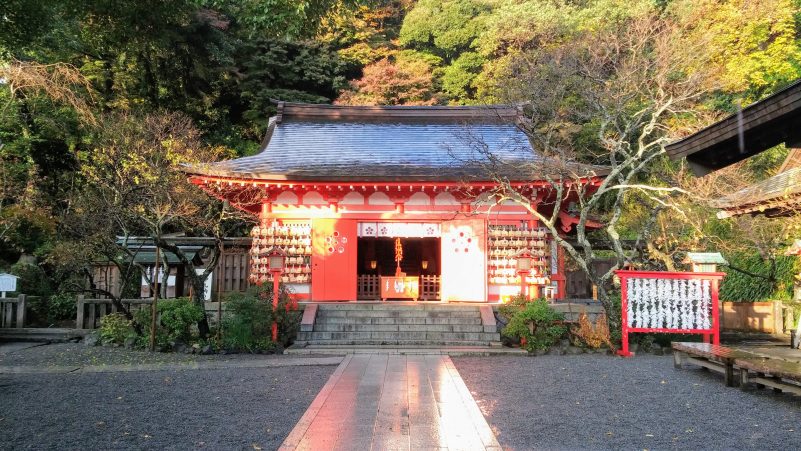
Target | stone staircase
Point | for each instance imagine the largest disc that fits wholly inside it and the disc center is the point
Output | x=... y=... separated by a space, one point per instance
x=389 y=324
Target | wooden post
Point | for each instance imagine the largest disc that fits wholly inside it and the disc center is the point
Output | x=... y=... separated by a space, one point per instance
x=778 y=326
x=715 y=311
x=92 y=314
x=79 y=321
x=153 y=306
x=21 y=311
x=7 y=313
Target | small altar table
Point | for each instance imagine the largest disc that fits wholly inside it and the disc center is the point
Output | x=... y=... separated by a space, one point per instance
x=400 y=288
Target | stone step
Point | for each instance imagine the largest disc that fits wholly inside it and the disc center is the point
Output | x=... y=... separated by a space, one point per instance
x=330 y=320
x=345 y=327
x=405 y=313
x=399 y=335
x=393 y=306
x=42 y=334
x=330 y=343
x=457 y=350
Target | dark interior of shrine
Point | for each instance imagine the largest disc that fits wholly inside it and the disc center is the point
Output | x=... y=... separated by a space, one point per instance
x=421 y=256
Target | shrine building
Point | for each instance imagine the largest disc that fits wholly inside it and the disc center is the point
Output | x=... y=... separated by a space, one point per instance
x=398 y=202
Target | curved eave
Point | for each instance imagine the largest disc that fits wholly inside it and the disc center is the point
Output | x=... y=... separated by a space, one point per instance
x=202 y=179
x=423 y=175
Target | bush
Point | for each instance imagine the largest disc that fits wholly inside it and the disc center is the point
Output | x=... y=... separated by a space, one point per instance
x=60 y=306
x=539 y=324
x=615 y=318
x=178 y=316
x=246 y=324
x=248 y=320
x=32 y=281
x=592 y=335
x=115 y=328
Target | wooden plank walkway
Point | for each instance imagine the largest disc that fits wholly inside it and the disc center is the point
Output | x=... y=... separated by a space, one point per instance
x=779 y=374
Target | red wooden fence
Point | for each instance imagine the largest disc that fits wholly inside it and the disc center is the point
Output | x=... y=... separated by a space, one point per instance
x=669 y=302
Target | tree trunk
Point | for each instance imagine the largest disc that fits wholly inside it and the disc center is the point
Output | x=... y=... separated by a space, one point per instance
x=198 y=290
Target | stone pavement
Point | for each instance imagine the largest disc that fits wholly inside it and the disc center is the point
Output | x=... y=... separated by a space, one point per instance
x=397 y=402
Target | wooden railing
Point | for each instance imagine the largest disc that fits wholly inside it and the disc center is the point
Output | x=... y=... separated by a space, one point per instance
x=12 y=312
x=90 y=311
x=429 y=288
x=367 y=287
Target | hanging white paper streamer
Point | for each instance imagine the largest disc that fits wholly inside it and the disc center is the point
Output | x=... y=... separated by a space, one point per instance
x=669 y=303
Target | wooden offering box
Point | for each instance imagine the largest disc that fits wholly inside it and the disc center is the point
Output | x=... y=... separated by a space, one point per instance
x=400 y=288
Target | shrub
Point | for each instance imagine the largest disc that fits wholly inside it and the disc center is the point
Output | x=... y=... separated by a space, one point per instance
x=248 y=320
x=592 y=336
x=615 y=321
x=60 y=306
x=33 y=280
x=178 y=316
x=114 y=328
x=538 y=323
x=246 y=324
x=142 y=317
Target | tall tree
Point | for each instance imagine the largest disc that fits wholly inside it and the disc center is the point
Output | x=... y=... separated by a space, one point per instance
x=606 y=97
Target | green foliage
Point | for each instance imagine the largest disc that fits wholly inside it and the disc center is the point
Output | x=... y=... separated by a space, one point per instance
x=767 y=163
x=60 y=306
x=177 y=316
x=32 y=281
x=248 y=320
x=457 y=79
x=115 y=328
x=285 y=70
x=538 y=323
x=142 y=317
x=444 y=27
x=776 y=281
x=615 y=318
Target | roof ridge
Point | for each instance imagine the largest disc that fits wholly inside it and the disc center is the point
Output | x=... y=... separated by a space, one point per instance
x=311 y=110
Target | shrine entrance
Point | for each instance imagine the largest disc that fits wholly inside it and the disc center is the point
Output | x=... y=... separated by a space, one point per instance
x=419 y=267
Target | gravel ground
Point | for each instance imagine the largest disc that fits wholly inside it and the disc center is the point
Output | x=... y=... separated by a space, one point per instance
x=77 y=354
x=190 y=409
x=601 y=402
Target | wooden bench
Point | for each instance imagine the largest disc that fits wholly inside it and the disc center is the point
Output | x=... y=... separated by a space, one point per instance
x=714 y=357
x=780 y=375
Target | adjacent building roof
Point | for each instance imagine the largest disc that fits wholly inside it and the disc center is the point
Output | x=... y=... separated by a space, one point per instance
x=307 y=142
x=705 y=258
x=776 y=196
x=758 y=127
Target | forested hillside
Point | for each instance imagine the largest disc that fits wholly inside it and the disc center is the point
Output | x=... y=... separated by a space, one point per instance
x=78 y=78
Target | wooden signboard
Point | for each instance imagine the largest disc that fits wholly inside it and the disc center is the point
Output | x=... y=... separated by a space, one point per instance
x=400 y=288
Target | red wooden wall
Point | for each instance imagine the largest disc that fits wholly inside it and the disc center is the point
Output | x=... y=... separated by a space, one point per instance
x=334 y=259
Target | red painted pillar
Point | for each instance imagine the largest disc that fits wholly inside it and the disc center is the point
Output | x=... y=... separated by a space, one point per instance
x=276 y=281
x=624 y=315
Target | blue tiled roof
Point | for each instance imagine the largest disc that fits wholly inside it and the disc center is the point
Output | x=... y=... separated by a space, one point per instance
x=386 y=147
